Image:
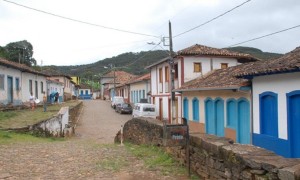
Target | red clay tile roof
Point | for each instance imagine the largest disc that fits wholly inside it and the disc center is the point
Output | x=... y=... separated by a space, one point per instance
x=21 y=67
x=217 y=79
x=289 y=62
x=139 y=78
x=209 y=51
x=121 y=77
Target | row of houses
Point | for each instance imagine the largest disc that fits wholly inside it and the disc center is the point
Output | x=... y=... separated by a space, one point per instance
x=17 y=81
x=226 y=94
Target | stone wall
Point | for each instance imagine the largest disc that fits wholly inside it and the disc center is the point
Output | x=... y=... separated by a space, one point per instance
x=214 y=157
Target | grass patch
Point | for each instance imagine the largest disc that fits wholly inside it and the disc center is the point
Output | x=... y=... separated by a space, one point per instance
x=12 y=137
x=23 y=118
x=157 y=159
x=112 y=164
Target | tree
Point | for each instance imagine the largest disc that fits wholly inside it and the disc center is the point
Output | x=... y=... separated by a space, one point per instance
x=20 y=52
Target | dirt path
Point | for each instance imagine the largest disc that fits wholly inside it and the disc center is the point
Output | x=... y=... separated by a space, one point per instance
x=89 y=155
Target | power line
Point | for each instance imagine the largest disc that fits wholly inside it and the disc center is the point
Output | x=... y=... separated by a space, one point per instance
x=142 y=56
x=260 y=37
x=211 y=19
x=79 y=21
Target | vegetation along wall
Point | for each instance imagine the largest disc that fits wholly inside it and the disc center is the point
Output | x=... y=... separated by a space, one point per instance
x=214 y=157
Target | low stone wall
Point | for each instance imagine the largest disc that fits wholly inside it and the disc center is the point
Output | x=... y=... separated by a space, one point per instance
x=61 y=125
x=214 y=157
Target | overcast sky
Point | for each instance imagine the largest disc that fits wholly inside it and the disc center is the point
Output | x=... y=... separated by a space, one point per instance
x=58 y=41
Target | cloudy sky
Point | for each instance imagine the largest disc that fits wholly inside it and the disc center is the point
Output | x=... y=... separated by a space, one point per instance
x=132 y=24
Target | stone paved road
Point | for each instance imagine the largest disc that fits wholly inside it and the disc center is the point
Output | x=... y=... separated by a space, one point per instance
x=89 y=155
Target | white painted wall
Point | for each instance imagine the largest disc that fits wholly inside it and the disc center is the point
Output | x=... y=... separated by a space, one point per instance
x=14 y=73
x=280 y=84
x=25 y=85
x=189 y=73
x=55 y=87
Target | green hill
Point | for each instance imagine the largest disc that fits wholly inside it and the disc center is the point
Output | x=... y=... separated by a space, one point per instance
x=255 y=52
x=135 y=63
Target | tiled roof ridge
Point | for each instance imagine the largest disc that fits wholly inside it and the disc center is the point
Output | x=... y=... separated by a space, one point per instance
x=21 y=67
x=198 y=49
x=288 y=62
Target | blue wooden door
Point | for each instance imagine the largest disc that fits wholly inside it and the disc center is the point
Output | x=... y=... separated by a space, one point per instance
x=219 y=114
x=10 y=89
x=294 y=124
x=186 y=108
x=243 y=131
x=210 y=124
x=268 y=114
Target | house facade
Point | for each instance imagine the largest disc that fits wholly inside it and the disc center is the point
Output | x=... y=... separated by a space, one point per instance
x=189 y=63
x=84 y=92
x=276 y=103
x=218 y=104
x=139 y=89
x=53 y=87
x=66 y=80
x=17 y=81
x=110 y=81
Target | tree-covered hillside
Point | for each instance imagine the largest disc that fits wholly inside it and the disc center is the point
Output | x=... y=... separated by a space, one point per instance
x=255 y=52
x=134 y=63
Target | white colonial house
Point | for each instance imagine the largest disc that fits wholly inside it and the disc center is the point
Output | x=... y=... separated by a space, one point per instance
x=189 y=63
x=54 y=86
x=66 y=80
x=17 y=81
x=139 y=89
x=112 y=80
x=276 y=103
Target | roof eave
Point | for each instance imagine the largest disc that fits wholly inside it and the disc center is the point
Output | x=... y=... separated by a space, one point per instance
x=208 y=89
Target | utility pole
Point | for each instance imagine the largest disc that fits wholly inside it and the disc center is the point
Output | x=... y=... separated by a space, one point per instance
x=172 y=71
x=114 y=82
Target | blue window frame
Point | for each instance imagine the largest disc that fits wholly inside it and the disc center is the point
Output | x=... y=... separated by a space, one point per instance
x=196 y=109
x=17 y=84
x=268 y=112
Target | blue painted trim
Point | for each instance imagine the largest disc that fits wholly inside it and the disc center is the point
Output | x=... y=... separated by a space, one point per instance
x=195 y=109
x=208 y=128
x=232 y=125
x=245 y=88
x=293 y=147
x=219 y=117
x=186 y=108
x=245 y=135
x=279 y=146
x=274 y=124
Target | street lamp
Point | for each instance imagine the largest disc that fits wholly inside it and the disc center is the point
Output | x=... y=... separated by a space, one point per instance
x=111 y=66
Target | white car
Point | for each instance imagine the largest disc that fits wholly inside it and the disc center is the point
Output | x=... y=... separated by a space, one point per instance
x=144 y=110
x=117 y=100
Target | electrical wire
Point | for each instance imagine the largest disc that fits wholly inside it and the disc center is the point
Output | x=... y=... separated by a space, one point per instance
x=260 y=37
x=79 y=21
x=142 y=56
x=211 y=19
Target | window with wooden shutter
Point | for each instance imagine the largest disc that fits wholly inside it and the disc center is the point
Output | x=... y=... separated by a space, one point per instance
x=160 y=75
x=224 y=65
x=167 y=74
x=197 y=67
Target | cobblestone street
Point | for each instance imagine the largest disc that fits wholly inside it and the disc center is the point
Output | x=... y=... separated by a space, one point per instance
x=81 y=157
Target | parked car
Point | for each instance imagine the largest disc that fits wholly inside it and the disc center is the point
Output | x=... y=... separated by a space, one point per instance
x=144 y=110
x=116 y=100
x=124 y=108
